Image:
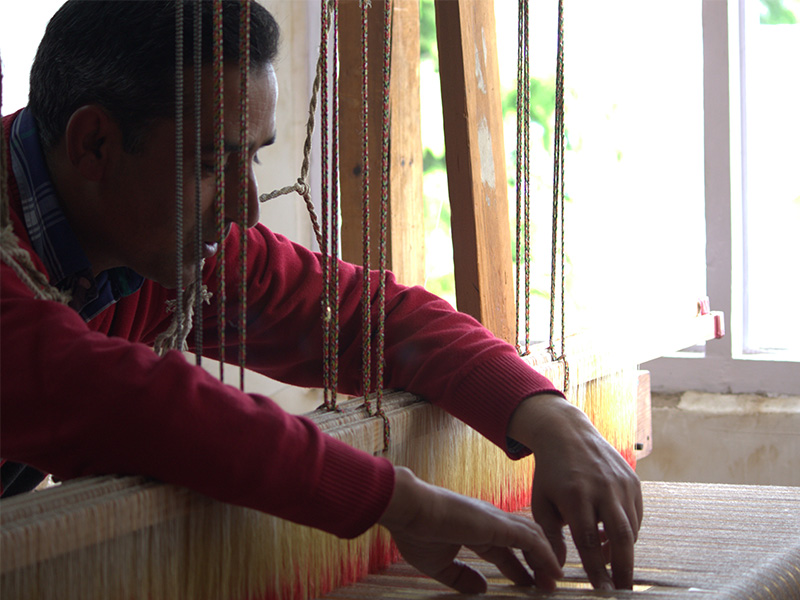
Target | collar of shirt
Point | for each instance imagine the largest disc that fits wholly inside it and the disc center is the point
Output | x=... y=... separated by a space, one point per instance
x=52 y=237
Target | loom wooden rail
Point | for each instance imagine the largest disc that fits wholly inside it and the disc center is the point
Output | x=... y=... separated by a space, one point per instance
x=139 y=503
x=130 y=537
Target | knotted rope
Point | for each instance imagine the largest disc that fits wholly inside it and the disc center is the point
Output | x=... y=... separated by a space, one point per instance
x=523 y=238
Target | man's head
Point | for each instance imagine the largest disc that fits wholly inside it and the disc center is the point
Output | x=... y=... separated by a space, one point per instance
x=121 y=54
x=102 y=92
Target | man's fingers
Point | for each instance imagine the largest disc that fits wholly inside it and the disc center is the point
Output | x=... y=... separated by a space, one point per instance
x=614 y=542
x=544 y=578
x=620 y=539
x=588 y=542
x=461 y=578
x=508 y=564
x=551 y=523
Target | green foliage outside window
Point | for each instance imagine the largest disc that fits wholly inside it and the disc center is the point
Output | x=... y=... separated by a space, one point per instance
x=780 y=12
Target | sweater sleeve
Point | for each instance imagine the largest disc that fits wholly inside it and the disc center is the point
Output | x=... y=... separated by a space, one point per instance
x=430 y=349
x=78 y=402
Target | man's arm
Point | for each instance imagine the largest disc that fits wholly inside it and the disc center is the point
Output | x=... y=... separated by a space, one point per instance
x=452 y=361
x=581 y=481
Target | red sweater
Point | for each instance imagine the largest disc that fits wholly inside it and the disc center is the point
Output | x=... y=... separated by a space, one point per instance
x=93 y=398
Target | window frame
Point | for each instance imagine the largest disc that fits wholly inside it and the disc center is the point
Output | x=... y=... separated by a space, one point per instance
x=723 y=366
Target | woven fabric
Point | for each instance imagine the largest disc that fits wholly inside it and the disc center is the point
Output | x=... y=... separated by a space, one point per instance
x=697 y=541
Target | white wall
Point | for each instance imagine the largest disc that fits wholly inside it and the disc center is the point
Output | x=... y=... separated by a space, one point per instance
x=281 y=162
x=721 y=438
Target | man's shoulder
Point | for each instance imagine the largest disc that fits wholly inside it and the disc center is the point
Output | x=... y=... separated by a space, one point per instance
x=8 y=121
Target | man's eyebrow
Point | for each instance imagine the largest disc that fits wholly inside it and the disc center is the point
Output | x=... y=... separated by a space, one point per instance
x=227 y=147
x=232 y=147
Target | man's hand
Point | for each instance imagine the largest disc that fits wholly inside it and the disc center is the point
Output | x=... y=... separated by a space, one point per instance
x=430 y=524
x=581 y=481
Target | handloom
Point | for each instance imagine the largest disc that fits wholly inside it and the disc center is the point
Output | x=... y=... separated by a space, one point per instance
x=129 y=537
x=697 y=540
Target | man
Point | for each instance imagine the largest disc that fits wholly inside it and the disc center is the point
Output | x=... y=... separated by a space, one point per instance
x=92 y=200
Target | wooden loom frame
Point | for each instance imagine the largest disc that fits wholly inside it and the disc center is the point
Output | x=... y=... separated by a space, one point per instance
x=481 y=242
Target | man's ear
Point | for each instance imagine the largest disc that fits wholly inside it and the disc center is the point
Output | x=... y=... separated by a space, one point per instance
x=93 y=139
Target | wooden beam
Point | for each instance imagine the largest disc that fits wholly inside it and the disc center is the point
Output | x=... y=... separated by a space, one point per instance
x=644 y=420
x=405 y=229
x=132 y=537
x=475 y=155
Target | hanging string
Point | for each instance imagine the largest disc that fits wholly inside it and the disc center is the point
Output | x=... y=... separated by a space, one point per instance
x=523 y=238
x=301 y=186
x=178 y=317
x=198 y=167
x=366 y=320
x=559 y=144
x=244 y=179
x=328 y=240
x=188 y=300
x=334 y=273
x=219 y=178
x=384 y=214
x=328 y=234
x=328 y=250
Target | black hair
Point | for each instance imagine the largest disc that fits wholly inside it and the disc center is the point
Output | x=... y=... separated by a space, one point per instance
x=120 y=54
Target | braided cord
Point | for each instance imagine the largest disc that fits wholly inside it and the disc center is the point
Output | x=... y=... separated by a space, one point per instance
x=366 y=342
x=334 y=274
x=179 y=127
x=329 y=390
x=384 y=212
x=219 y=179
x=559 y=142
x=244 y=180
x=523 y=253
x=527 y=176
x=301 y=186
x=518 y=174
x=198 y=167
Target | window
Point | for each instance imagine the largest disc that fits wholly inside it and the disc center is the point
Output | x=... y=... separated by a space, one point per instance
x=674 y=147
x=771 y=185
x=633 y=173
x=751 y=158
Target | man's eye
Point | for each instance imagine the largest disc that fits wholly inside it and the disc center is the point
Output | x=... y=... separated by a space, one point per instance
x=255 y=159
x=207 y=169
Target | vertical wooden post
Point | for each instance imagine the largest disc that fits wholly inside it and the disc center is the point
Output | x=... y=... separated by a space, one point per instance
x=405 y=235
x=475 y=155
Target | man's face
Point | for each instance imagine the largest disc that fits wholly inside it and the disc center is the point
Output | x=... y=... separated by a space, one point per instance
x=141 y=225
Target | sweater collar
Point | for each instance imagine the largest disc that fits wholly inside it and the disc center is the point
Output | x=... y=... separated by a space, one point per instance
x=50 y=234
